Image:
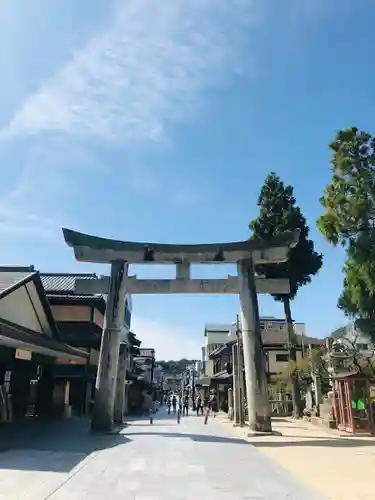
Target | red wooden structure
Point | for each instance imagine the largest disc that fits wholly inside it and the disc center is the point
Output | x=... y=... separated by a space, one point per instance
x=353 y=405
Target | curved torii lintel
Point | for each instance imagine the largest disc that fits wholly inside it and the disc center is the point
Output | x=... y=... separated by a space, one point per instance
x=88 y=248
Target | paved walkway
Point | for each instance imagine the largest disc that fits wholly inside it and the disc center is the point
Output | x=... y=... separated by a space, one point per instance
x=341 y=467
x=165 y=461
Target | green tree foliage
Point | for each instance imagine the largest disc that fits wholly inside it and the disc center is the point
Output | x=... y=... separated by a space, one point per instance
x=278 y=212
x=303 y=370
x=349 y=220
x=349 y=200
x=172 y=367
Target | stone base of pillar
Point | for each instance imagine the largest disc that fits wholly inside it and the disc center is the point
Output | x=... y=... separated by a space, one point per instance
x=249 y=434
x=230 y=413
x=262 y=424
x=67 y=413
x=110 y=432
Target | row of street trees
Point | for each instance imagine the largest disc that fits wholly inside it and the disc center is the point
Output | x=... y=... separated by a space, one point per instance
x=348 y=220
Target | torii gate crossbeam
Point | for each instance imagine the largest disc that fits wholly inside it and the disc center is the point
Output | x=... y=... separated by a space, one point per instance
x=87 y=248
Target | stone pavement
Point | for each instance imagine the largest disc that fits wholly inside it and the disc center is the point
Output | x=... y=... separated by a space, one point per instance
x=144 y=462
x=339 y=466
x=165 y=461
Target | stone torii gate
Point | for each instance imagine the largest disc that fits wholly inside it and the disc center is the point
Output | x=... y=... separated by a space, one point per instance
x=110 y=382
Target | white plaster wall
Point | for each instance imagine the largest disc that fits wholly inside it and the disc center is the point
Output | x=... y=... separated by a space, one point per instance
x=17 y=308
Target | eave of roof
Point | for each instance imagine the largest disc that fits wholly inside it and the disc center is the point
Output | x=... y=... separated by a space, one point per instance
x=96 y=301
x=23 y=334
x=31 y=275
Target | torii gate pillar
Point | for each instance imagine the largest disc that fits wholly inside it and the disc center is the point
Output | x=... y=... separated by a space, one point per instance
x=258 y=408
x=106 y=379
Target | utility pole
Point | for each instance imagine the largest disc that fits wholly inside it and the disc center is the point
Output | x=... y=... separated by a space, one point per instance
x=193 y=388
x=236 y=386
x=119 y=408
x=240 y=375
x=317 y=383
x=152 y=372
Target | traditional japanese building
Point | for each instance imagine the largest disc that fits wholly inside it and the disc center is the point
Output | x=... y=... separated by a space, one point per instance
x=30 y=343
x=79 y=319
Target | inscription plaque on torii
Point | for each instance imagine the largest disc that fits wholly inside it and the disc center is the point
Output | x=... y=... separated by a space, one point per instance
x=120 y=254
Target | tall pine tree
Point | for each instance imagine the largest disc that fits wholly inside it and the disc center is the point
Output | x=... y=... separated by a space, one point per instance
x=349 y=220
x=278 y=212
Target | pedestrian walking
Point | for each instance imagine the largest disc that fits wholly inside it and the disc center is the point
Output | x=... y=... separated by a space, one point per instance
x=174 y=403
x=198 y=404
x=148 y=406
x=213 y=403
x=211 y=406
x=185 y=407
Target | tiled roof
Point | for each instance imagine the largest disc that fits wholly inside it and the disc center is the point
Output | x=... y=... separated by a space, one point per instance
x=63 y=283
x=72 y=297
x=11 y=275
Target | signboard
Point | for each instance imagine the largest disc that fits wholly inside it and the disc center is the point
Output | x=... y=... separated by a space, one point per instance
x=22 y=354
x=147 y=353
x=70 y=361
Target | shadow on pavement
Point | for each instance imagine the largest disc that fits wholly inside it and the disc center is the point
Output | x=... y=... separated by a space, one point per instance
x=55 y=446
x=204 y=438
x=328 y=443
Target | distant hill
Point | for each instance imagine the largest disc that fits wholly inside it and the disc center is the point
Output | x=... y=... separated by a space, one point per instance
x=175 y=367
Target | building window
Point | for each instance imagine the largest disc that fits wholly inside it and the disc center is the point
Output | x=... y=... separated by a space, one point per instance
x=282 y=357
x=269 y=326
x=282 y=326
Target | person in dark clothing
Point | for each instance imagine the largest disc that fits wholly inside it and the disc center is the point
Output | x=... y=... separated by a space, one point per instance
x=213 y=404
x=185 y=408
x=169 y=403
x=206 y=402
x=198 y=404
x=174 y=403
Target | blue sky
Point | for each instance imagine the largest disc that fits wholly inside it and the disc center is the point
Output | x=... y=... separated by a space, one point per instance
x=158 y=121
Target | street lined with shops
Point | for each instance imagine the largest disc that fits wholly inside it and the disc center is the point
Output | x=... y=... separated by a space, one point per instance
x=165 y=461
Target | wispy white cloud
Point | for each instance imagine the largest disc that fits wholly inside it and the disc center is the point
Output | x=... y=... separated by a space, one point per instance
x=145 y=71
x=37 y=204
x=168 y=342
x=149 y=69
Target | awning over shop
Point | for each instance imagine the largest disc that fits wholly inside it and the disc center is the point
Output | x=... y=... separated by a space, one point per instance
x=203 y=382
x=219 y=378
x=19 y=337
x=222 y=377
